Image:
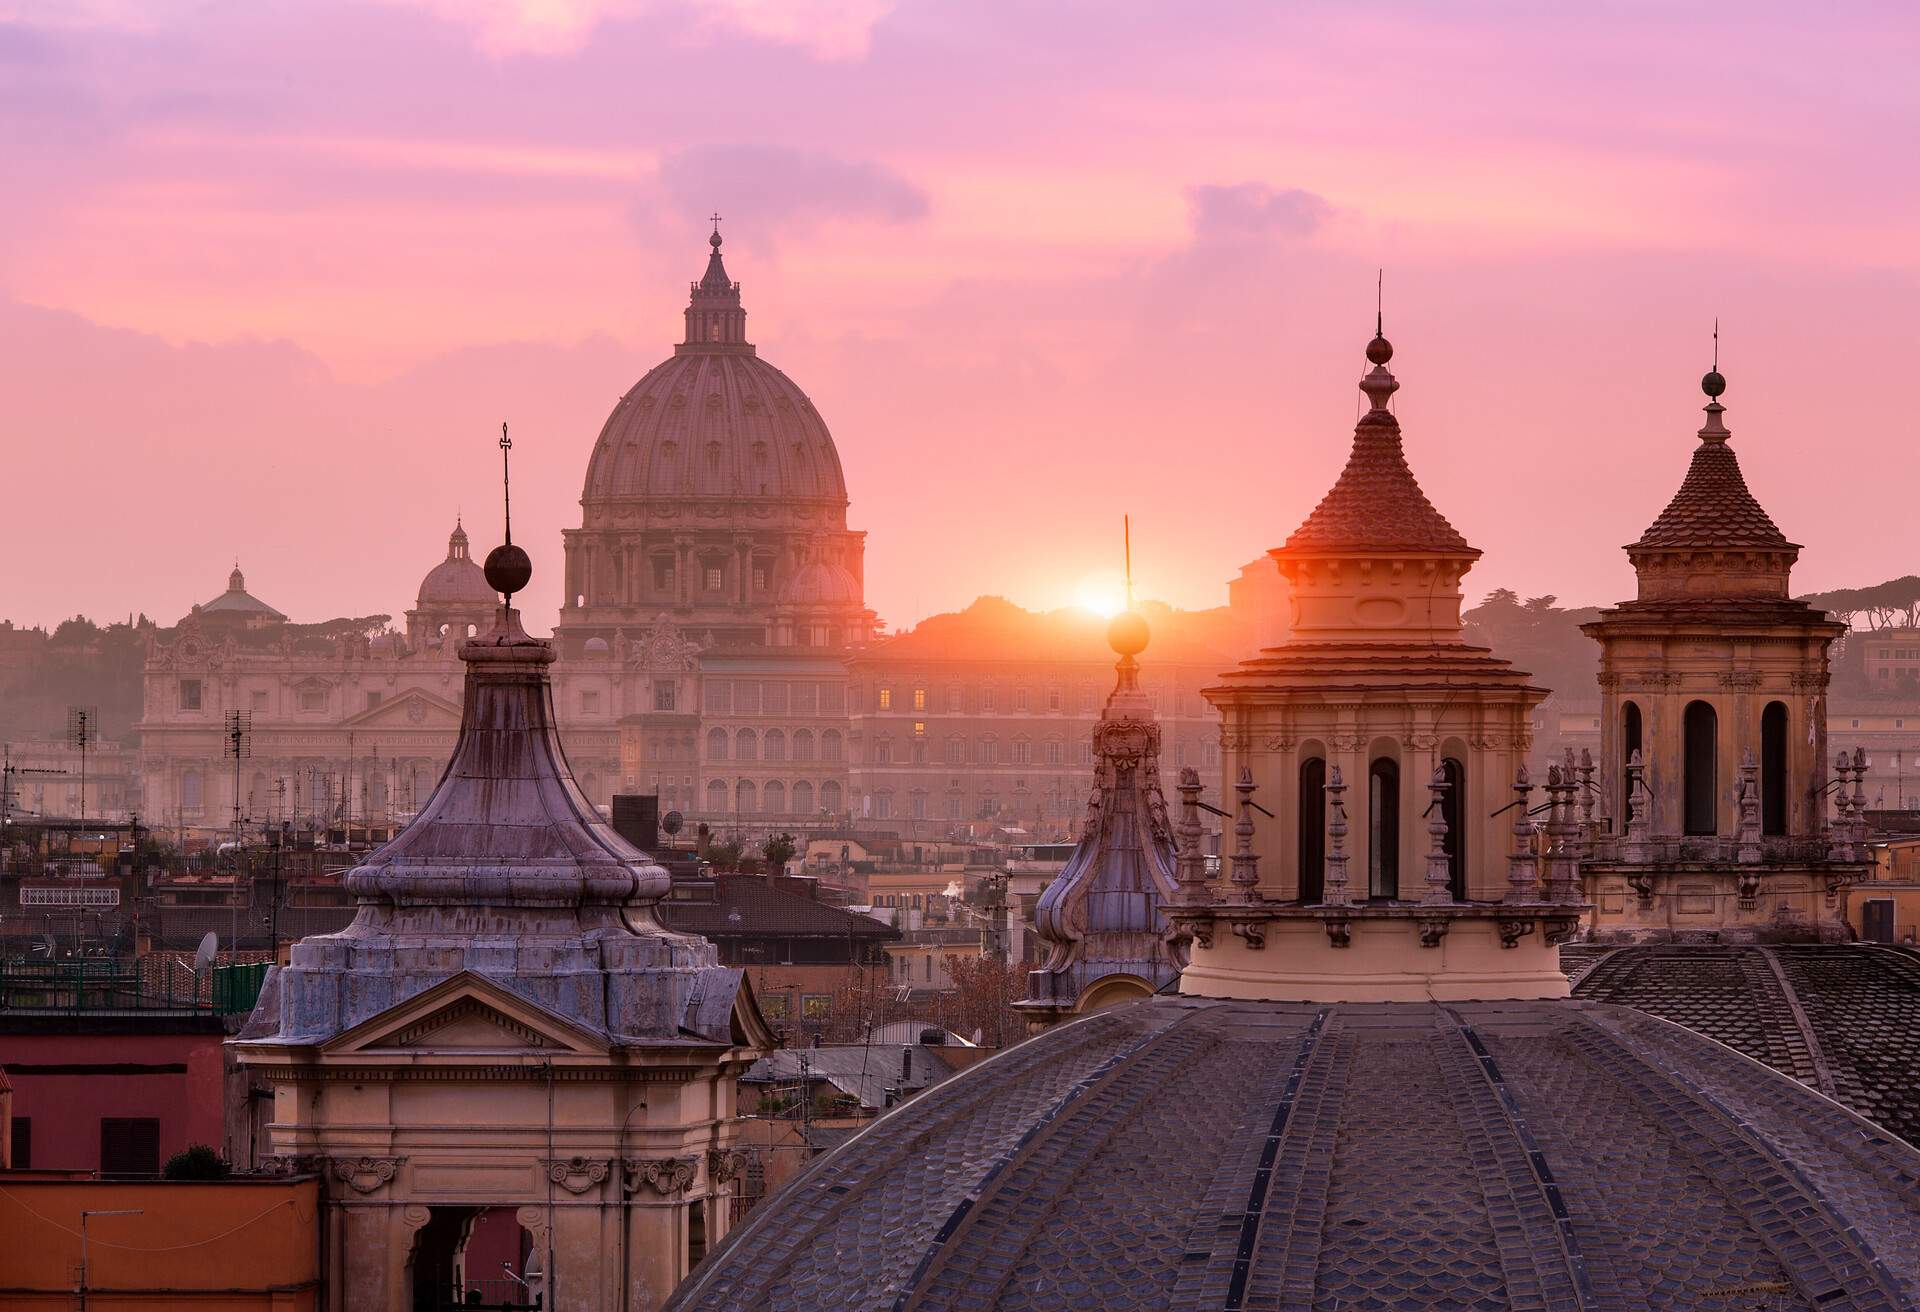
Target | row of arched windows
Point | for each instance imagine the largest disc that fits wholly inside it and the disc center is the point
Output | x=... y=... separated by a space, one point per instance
x=1383 y=827
x=1700 y=765
x=773 y=797
x=773 y=745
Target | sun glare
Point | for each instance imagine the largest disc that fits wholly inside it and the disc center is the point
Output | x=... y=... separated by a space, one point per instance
x=1103 y=594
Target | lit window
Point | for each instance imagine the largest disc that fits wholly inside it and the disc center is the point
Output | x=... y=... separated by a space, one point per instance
x=919 y=699
x=712 y=578
x=759 y=578
x=886 y=699
x=919 y=728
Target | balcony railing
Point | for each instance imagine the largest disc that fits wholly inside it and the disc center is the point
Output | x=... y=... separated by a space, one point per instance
x=153 y=984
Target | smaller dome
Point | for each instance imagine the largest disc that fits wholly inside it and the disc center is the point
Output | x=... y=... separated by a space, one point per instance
x=596 y=647
x=821 y=583
x=455 y=581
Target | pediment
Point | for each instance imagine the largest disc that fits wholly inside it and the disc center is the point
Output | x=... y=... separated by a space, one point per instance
x=412 y=709
x=466 y=1015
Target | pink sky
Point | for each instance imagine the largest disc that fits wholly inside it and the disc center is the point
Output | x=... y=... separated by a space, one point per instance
x=272 y=273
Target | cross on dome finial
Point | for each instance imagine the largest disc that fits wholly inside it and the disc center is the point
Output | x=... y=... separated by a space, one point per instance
x=508 y=567
x=714 y=241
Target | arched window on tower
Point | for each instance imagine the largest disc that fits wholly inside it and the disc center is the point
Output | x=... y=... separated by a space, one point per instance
x=1773 y=768
x=1313 y=829
x=1630 y=743
x=1453 y=809
x=1699 y=789
x=1383 y=828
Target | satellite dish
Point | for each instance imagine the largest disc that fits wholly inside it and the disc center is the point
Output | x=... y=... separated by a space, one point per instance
x=672 y=822
x=209 y=948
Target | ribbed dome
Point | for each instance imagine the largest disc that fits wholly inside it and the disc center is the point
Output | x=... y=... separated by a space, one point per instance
x=821 y=583
x=720 y=424
x=457 y=580
x=715 y=420
x=1182 y=1154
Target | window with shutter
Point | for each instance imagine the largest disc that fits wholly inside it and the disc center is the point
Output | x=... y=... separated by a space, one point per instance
x=129 y=1145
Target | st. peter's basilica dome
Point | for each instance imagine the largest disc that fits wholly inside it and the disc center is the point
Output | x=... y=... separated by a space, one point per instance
x=715 y=420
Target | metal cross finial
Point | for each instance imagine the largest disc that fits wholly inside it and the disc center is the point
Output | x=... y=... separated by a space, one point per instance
x=506 y=480
x=1716 y=343
x=715 y=218
x=1379 y=302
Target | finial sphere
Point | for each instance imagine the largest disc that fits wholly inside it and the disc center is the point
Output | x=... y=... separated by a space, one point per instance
x=1379 y=350
x=1713 y=384
x=1127 y=633
x=508 y=569
x=714 y=241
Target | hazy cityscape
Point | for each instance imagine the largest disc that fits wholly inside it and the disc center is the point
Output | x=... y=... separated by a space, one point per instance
x=894 y=743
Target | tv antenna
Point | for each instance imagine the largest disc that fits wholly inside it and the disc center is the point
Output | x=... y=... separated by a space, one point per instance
x=83 y=729
x=237 y=747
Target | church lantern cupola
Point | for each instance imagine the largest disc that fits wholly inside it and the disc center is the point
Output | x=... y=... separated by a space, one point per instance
x=1381 y=847
x=716 y=321
x=1713 y=725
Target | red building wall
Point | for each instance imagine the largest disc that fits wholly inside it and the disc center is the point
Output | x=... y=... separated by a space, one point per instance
x=67 y=1083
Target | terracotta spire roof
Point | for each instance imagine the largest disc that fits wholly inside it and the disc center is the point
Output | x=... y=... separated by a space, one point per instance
x=1376 y=504
x=1713 y=507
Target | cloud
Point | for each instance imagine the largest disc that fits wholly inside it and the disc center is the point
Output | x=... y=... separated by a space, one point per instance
x=827 y=29
x=1243 y=210
x=778 y=185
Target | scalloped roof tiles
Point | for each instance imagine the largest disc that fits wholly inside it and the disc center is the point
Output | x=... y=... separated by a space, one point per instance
x=1713 y=507
x=1376 y=504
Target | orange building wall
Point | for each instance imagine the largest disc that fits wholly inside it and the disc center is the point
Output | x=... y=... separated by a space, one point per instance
x=226 y=1246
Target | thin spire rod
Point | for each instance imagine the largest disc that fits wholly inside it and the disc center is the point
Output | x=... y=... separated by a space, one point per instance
x=1716 y=343
x=506 y=480
x=1126 y=537
x=1380 y=302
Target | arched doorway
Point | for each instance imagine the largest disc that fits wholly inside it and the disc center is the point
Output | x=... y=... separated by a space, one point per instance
x=1313 y=829
x=1773 y=768
x=1700 y=761
x=1383 y=828
x=1453 y=810
x=473 y=1257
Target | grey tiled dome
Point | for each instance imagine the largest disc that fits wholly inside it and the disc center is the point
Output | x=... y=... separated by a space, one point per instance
x=1187 y=1153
